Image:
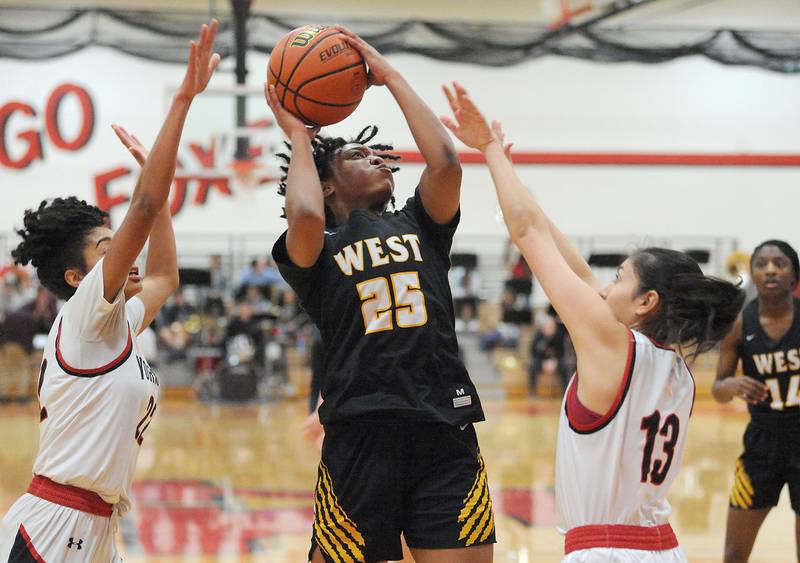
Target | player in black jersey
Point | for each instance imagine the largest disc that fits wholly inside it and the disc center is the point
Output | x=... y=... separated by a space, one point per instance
x=400 y=453
x=766 y=337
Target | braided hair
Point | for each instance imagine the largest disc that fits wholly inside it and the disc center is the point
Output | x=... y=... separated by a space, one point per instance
x=324 y=149
x=53 y=240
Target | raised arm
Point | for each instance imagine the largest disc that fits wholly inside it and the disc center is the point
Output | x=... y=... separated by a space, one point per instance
x=161 y=271
x=152 y=187
x=305 y=202
x=601 y=342
x=440 y=184
x=574 y=258
x=726 y=385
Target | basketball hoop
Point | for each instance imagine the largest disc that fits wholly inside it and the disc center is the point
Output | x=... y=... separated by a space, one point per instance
x=244 y=172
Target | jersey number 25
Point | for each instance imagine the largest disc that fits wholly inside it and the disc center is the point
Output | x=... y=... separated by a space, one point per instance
x=377 y=304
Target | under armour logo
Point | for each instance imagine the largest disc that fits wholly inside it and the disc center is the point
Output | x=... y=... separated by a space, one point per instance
x=78 y=544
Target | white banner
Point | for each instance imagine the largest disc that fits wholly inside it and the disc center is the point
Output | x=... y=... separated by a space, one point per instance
x=56 y=139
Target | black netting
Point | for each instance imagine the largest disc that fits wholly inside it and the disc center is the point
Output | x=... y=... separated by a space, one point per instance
x=28 y=33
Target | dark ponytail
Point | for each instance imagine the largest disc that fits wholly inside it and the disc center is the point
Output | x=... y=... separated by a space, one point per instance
x=695 y=311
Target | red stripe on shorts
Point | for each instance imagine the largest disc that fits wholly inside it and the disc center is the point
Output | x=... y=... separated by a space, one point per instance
x=69 y=496
x=29 y=544
x=647 y=538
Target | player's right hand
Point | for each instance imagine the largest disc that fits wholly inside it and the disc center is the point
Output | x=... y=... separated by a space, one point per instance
x=202 y=62
x=748 y=389
x=497 y=127
x=287 y=121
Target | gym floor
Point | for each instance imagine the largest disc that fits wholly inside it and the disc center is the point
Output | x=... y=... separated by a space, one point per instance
x=233 y=483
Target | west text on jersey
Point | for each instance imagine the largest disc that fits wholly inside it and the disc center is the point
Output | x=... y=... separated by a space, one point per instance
x=781 y=361
x=400 y=249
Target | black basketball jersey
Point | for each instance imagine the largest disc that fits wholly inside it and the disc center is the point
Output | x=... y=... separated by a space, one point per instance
x=380 y=296
x=776 y=364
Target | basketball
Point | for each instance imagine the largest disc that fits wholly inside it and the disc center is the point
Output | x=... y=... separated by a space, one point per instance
x=317 y=75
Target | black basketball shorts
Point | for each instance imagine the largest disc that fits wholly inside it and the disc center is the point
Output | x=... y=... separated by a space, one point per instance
x=770 y=460
x=377 y=480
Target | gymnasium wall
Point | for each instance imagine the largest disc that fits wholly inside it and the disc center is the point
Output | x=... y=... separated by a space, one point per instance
x=548 y=105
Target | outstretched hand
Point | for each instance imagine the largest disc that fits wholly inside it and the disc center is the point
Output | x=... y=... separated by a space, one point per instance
x=132 y=143
x=468 y=123
x=497 y=128
x=377 y=65
x=202 y=62
x=287 y=121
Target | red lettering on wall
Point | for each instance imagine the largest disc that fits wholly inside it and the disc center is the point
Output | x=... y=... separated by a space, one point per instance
x=178 y=195
x=105 y=201
x=205 y=158
x=205 y=184
x=30 y=137
x=52 y=121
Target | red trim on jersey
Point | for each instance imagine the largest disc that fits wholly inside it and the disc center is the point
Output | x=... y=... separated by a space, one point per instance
x=102 y=370
x=694 y=386
x=69 y=496
x=646 y=538
x=581 y=426
x=29 y=544
x=577 y=411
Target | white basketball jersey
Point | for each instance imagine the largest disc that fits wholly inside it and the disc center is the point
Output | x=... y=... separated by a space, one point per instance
x=97 y=394
x=618 y=469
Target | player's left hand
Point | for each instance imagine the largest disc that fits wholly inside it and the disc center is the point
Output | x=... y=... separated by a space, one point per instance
x=313 y=431
x=201 y=64
x=132 y=143
x=377 y=65
x=468 y=123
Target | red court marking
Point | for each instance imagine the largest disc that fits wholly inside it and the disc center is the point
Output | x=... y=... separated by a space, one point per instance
x=625 y=159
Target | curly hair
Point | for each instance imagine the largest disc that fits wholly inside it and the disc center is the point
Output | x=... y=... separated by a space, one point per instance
x=324 y=149
x=53 y=240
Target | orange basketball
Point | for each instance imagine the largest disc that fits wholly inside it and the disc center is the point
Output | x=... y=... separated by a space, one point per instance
x=317 y=75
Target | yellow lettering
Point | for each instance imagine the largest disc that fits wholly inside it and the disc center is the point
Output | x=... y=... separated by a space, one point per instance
x=414 y=240
x=399 y=252
x=351 y=257
x=794 y=359
x=763 y=363
x=780 y=362
x=376 y=252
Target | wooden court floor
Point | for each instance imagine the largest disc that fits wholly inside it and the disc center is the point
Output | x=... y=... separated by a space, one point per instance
x=233 y=483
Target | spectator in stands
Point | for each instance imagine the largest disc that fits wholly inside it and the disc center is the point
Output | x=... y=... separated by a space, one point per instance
x=172 y=323
x=218 y=281
x=261 y=273
x=43 y=311
x=549 y=352
x=254 y=296
x=13 y=292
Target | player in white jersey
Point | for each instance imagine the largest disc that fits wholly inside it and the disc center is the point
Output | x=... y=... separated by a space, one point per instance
x=97 y=394
x=625 y=416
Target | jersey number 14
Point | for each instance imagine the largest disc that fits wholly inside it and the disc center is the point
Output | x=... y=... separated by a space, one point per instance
x=384 y=302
